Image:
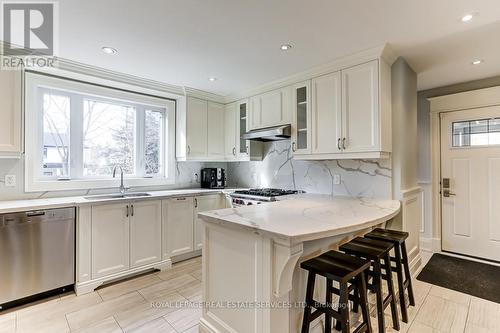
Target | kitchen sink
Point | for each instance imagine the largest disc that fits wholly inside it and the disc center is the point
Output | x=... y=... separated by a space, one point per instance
x=118 y=196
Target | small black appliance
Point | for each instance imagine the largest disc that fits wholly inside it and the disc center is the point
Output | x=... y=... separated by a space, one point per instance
x=213 y=178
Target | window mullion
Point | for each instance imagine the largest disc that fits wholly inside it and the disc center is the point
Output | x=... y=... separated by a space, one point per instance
x=140 y=141
x=76 y=136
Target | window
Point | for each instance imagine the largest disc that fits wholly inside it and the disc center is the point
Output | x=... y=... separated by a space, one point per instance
x=77 y=133
x=481 y=132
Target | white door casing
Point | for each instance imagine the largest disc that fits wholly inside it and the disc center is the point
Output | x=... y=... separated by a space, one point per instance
x=471 y=214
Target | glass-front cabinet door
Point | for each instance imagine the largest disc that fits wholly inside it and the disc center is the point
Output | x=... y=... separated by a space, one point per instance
x=243 y=148
x=301 y=127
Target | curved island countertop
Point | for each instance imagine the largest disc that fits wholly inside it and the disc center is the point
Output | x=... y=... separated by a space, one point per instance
x=306 y=217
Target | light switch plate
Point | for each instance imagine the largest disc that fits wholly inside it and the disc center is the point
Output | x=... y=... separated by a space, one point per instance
x=336 y=179
x=10 y=180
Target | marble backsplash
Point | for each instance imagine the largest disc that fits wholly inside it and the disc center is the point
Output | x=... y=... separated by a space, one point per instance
x=359 y=178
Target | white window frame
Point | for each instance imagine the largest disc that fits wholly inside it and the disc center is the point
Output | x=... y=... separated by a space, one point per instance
x=35 y=182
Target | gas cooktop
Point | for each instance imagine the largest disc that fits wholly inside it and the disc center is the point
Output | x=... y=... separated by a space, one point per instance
x=266 y=192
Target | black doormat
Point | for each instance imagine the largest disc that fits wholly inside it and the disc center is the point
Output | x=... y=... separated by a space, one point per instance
x=466 y=276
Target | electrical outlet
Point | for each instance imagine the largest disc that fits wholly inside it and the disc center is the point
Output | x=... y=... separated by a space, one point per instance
x=10 y=180
x=336 y=179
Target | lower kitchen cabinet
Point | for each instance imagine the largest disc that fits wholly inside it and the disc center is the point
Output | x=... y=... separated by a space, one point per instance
x=145 y=232
x=110 y=239
x=178 y=226
x=203 y=204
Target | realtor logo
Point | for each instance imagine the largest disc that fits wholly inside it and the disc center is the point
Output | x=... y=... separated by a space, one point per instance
x=29 y=31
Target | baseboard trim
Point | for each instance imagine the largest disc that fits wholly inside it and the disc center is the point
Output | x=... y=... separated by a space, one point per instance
x=430 y=244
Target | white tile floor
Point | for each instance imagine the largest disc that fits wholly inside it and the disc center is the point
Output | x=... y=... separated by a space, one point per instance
x=127 y=307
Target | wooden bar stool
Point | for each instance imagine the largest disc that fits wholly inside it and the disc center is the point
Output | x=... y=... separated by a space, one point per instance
x=398 y=238
x=378 y=253
x=349 y=272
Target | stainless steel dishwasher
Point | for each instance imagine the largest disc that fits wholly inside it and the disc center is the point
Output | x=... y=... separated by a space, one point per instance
x=37 y=253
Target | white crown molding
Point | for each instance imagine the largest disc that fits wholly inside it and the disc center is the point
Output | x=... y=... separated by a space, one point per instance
x=384 y=52
x=192 y=92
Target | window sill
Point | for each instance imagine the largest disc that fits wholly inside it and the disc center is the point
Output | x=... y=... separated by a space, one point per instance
x=88 y=184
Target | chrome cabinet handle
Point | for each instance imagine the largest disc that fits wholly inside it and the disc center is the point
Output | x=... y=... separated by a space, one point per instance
x=189 y=149
x=132 y=209
x=294 y=148
x=128 y=211
x=343 y=143
x=338 y=144
x=234 y=151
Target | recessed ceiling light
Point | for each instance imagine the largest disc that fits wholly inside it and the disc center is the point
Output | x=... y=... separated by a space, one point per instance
x=477 y=62
x=109 y=50
x=212 y=79
x=286 y=47
x=467 y=17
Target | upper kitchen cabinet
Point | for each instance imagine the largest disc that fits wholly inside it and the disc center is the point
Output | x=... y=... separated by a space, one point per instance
x=270 y=109
x=350 y=114
x=301 y=124
x=215 y=129
x=200 y=131
x=245 y=150
x=360 y=100
x=10 y=114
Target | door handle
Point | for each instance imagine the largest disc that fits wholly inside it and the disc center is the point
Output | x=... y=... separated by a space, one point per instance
x=338 y=144
x=447 y=193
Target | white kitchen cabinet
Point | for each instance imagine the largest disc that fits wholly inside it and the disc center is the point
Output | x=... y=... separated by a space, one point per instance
x=110 y=239
x=10 y=114
x=215 y=129
x=326 y=114
x=178 y=226
x=360 y=101
x=196 y=128
x=230 y=133
x=246 y=150
x=200 y=131
x=145 y=232
x=301 y=124
x=271 y=109
x=350 y=114
x=202 y=204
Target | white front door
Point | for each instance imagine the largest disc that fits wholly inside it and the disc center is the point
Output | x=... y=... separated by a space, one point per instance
x=470 y=171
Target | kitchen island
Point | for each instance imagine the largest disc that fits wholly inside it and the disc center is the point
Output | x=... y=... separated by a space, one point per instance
x=252 y=282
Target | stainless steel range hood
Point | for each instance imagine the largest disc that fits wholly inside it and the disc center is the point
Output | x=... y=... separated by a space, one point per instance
x=276 y=133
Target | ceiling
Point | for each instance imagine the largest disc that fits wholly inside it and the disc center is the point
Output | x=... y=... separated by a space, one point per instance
x=184 y=42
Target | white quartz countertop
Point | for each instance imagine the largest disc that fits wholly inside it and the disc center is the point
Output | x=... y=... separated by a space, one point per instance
x=307 y=217
x=60 y=202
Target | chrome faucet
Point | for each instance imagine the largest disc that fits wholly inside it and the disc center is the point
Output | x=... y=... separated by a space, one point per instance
x=122 y=187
